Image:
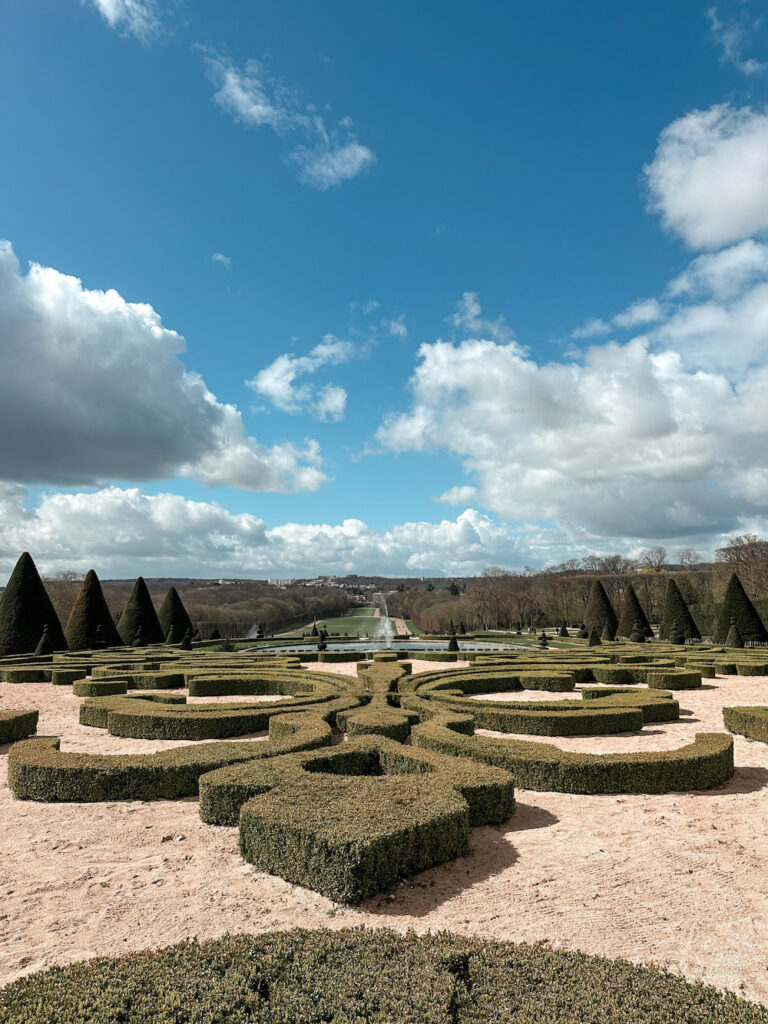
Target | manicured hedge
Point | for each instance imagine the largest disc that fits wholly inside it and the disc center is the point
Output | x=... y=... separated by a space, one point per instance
x=16 y=725
x=673 y=679
x=372 y=976
x=99 y=687
x=38 y=770
x=751 y=722
x=26 y=674
x=705 y=763
x=67 y=676
x=351 y=821
x=378 y=718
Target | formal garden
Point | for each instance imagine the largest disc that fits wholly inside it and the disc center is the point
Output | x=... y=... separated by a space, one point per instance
x=378 y=832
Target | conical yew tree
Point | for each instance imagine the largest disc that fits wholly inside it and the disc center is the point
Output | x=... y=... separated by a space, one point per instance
x=738 y=608
x=140 y=613
x=734 y=638
x=676 y=611
x=600 y=611
x=25 y=610
x=632 y=613
x=173 y=615
x=88 y=613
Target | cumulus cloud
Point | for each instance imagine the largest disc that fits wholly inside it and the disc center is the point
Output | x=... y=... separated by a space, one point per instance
x=732 y=37
x=278 y=381
x=121 y=532
x=642 y=311
x=709 y=176
x=325 y=155
x=139 y=18
x=93 y=388
x=632 y=441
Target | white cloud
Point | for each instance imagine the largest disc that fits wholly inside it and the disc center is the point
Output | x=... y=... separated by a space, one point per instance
x=277 y=382
x=397 y=327
x=459 y=495
x=632 y=442
x=326 y=156
x=593 y=328
x=219 y=257
x=644 y=311
x=733 y=38
x=122 y=532
x=709 y=176
x=93 y=388
x=723 y=274
x=139 y=18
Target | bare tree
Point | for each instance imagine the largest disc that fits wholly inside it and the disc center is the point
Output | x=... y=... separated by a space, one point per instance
x=653 y=558
x=687 y=557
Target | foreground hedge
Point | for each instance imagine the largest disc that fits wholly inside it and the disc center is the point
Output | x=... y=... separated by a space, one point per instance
x=16 y=725
x=38 y=770
x=352 y=821
x=751 y=722
x=372 y=976
x=705 y=763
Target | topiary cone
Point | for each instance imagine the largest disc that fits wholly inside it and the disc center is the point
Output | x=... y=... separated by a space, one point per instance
x=25 y=609
x=737 y=609
x=599 y=611
x=677 y=612
x=140 y=614
x=734 y=638
x=631 y=614
x=594 y=639
x=173 y=615
x=90 y=611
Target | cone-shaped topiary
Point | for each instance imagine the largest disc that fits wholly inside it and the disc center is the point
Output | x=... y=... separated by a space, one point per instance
x=594 y=639
x=563 y=632
x=215 y=634
x=88 y=613
x=734 y=638
x=632 y=613
x=599 y=610
x=186 y=643
x=738 y=608
x=606 y=634
x=44 y=645
x=638 y=633
x=453 y=643
x=677 y=611
x=172 y=613
x=676 y=635
x=140 y=614
x=583 y=633
x=25 y=609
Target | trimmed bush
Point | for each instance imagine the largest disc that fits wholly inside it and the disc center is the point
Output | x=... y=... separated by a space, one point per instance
x=16 y=725
x=677 y=611
x=99 y=687
x=751 y=722
x=705 y=763
x=140 y=614
x=737 y=606
x=371 y=975
x=38 y=770
x=25 y=609
x=90 y=614
x=673 y=679
x=352 y=821
x=378 y=719
x=172 y=615
x=631 y=614
x=599 y=612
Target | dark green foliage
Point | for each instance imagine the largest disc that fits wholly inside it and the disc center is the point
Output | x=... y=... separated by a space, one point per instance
x=90 y=612
x=352 y=821
x=45 y=645
x=38 y=770
x=594 y=639
x=738 y=609
x=16 y=725
x=734 y=638
x=607 y=634
x=563 y=632
x=632 y=615
x=140 y=614
x=673 y=679
x=599 y=611
x=677 y=611
x=99 y=687
x=173 y=615
x=676 y=635
x=25 y=609
x=372 y=976
x=453 y=643
x=638 y=634
x=751 y=722
x=705 y=763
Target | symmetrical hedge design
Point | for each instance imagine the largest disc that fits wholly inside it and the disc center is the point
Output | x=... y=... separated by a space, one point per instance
x=368 y=975
x=352 y=821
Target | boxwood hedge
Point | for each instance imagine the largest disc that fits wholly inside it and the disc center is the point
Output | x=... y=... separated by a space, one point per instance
x=751 y=722
x=15 y=725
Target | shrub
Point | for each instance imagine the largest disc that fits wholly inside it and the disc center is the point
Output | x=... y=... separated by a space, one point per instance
x=89 y=614
x=738 y=608
x=140 y=614
x=673 y=679
x=352 y=821
x=367 y=975
x=99 y=687
x=705 y=763
x=38 y=770
x=632 y=614
x=25 y=609
x=599 y=611
x=676 y=611
x=172 y=615
x=16 y=725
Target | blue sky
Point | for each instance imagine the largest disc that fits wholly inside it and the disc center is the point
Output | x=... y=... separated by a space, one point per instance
x=489 y=285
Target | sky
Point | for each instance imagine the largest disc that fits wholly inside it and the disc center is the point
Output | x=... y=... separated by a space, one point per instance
x=292 y=288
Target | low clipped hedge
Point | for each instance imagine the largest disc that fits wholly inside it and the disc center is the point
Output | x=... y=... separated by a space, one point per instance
x=67 y=676
x=25 y=674
x=371 y=975
x=379 y=719
x=99 y=687
x=705 y=763
x=351 y=821
x=340 y=656
x=16 y=725
x=751 y=668
x=751 y=722
x=39 y=770
x=673 y=679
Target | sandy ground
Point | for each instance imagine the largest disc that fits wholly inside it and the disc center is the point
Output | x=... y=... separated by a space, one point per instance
x=679 y=880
